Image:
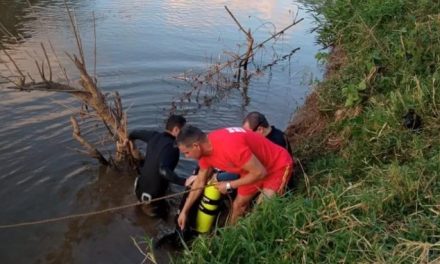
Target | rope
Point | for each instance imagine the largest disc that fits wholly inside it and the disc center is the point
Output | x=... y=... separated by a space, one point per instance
x=113 y=209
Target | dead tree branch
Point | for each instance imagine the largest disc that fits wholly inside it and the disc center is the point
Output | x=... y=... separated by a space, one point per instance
x=94 y=102
x=217 y=78
x=48 y=61
x=249 y=52
x=23 y=78
x=76 y=32
x=93 y=152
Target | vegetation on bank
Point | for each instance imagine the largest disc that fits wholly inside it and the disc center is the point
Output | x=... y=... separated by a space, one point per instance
x=372 y=185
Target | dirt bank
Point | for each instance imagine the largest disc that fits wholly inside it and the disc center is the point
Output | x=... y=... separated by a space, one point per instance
x=306 y=130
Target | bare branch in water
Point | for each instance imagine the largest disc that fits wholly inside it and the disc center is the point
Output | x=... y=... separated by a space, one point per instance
x=249 y=52
x=236 y=21
x=63 y=70
x=22 y=79
x=76 y=32
x=48 y=61
x=94 y=102
x=222 y=77
x=92 y=150
x=94 y=49
x=59 y=63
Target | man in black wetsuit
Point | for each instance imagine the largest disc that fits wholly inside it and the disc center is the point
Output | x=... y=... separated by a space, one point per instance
x=157 y=169
x=257 y=122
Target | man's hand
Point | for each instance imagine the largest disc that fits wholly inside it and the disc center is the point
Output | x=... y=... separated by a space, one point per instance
x=196 y=191
x=190 y=180
x=181 y=220
x=221 y=186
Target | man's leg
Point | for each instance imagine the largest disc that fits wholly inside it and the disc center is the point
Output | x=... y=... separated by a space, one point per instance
x=239 y=207
x=265 y=194
x=275 y=184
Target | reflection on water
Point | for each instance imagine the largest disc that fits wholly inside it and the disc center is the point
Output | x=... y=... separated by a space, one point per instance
x=13 y=16
x=142 y=45
x=82 y=240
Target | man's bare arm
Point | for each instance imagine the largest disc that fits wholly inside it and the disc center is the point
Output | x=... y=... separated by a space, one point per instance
x=256 y=172
x=197 y=188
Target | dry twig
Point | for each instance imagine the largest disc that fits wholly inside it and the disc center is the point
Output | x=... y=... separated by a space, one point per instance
x=92 y=98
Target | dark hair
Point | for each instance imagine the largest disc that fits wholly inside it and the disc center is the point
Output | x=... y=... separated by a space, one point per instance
x=189 y=135
x=256 y=119
x=175 y=121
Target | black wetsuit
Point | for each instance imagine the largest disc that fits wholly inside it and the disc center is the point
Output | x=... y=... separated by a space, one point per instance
x=278 y=137
x=161 y=158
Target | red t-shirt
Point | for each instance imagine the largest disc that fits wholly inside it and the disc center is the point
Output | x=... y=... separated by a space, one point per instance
x=233 y=147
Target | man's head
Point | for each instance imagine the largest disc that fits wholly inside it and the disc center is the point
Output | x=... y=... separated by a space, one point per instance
x=255 y=121
x=191 y=142
x=174 y=124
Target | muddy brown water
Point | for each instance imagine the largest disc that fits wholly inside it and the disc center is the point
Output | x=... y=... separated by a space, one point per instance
x=142 y=45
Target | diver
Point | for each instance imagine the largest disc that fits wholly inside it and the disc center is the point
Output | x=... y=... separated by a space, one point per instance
x=157 y=168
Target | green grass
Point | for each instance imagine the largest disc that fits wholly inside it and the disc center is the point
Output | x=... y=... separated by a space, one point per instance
x=377 y=198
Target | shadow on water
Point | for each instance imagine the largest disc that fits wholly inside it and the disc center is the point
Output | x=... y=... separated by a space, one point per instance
x=16 y=15
x=12 y=17
x=98 y=236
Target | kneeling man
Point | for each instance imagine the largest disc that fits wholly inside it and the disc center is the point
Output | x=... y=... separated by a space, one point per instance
x=262 y=165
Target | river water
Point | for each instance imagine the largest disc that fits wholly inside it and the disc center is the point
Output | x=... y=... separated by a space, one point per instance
x=142 y=46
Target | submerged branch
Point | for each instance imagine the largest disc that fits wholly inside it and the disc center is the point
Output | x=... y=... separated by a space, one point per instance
x=49 y=86
x=92 y=150
x=48 y=61
x=236 y=21
x=111 y=115
x=76 y=32
x=249 y=53
x=222 y=77
x=23 y=78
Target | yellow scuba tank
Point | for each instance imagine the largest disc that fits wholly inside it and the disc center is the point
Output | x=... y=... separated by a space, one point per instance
x=208 y=209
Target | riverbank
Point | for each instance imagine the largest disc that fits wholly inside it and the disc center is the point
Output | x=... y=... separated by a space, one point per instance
x=367 y=147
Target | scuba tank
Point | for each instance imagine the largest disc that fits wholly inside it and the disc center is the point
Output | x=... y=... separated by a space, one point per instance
x=201 y=217
x=208 y=209
x=200 y=220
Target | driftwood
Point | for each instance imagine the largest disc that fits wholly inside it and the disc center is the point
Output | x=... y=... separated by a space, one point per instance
x=95 y=103
x=213 y=84
x=250 y=44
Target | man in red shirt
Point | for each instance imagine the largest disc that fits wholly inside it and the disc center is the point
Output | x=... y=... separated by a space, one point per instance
x=262 y=165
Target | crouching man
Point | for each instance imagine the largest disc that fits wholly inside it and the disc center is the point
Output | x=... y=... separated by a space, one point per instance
x=262 y=165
